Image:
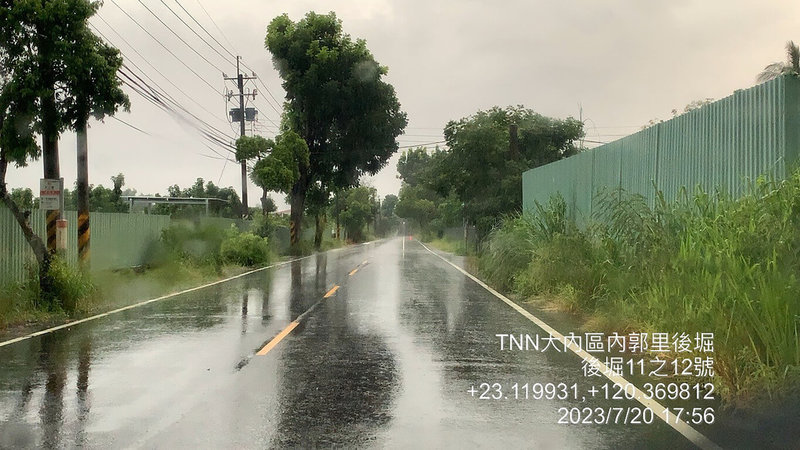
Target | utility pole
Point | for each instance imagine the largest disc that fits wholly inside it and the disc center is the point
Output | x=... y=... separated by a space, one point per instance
x=83 y=196
x=240 y=116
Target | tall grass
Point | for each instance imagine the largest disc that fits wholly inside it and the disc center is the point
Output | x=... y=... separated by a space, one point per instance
x=705 y=263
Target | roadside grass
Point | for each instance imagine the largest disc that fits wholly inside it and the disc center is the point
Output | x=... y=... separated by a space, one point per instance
x=187 y=255
x=705 y=263
x=448 y=245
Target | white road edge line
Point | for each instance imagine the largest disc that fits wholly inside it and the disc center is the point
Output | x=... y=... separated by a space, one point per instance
x=146 y=302
x=680 y=426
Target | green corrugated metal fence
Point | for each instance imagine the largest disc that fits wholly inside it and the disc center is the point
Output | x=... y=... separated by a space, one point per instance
x=722 y=146
x=118 y=240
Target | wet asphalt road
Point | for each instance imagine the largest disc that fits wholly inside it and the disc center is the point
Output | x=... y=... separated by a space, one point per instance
x=386 y=361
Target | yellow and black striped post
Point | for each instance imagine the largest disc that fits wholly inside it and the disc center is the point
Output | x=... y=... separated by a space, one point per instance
x=83 y=238
x=292 y=232
x=52 y=224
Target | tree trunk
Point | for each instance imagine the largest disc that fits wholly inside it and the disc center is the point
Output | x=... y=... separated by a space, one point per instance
x=49 y=127
x=320 y=222
x=46 y=288
x=298 y=201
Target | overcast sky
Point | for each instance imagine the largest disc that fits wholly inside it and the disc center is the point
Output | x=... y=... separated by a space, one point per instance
x=625 y=62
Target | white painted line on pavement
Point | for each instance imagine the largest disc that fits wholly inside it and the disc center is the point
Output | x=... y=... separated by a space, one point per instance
x=146 y=302
x=679 y=425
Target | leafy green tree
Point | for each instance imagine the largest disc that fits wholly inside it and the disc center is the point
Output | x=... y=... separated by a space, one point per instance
x=336 y=101
x=426 y=190
x=489 y=150
x=414 y=205
x=358 y=210
x=790 y=66
x=55 y=73
x=388 y=204
x=280 y=169
x=268 y=205
x=23 y=198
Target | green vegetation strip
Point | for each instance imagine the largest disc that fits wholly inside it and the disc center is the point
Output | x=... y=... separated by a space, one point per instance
x=659 y=410
x=146 y=302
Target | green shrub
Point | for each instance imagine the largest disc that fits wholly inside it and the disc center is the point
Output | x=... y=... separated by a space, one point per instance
x=264 y=225
x=73 y=287
x=245 y=249
x=195 y=241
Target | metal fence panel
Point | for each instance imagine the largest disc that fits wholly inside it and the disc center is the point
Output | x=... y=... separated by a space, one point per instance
x=117 y=240
x=722 y=146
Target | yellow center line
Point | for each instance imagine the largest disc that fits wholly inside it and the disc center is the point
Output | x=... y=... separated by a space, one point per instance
x=364 y=263
x=332 y=291
x=353 y=271
x=277 y=339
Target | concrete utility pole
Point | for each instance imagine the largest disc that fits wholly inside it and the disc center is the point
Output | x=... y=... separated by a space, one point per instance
x=83 y=196
x=240 y=114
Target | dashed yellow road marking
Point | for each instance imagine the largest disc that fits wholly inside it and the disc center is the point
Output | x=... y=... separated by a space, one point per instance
x=332 y=291
x=277 y=339
x=352 y=272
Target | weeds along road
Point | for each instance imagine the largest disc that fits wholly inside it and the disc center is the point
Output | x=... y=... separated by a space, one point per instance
x=371 y=346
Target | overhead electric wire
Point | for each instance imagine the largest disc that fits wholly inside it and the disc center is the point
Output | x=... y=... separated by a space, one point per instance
x=195 y=32
x=278 y=103
x=422 y=145
x=147 y=93
x=216 y=26
x=147 y=61
x=164 y=46
x=180 y=106
x=180 y=38
x=143 y=94
x=131 y=126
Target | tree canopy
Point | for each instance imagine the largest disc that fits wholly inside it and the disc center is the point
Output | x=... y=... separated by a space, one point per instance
x=489 y=150
x=336 y=101
x=54 y=74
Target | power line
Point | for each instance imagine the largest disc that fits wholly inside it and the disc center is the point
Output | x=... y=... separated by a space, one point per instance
x=147 y=61
x=216 y=26
x=156 y=93
x=422 y=145
x=224 y=58
x=164 y=46
x=179 y=38
x=264 y=86
x=131 y=126
x=148 y=93
x=220 y=157
x=204 y=28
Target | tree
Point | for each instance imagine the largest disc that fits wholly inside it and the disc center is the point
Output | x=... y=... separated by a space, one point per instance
x=280 y=169
x=426 y=195
x=358 y=210
x=23 y=198
x=55 y=72
x=336 y=101
x=388 y=204
x=268 y=205
x=790 y=66
x=489 y=150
